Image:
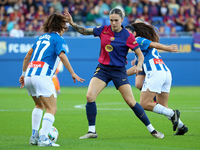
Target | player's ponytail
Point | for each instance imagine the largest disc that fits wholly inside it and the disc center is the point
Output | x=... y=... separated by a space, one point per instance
x=147 y=31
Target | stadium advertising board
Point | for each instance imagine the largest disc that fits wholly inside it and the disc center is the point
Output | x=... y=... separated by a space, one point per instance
x=83 y=55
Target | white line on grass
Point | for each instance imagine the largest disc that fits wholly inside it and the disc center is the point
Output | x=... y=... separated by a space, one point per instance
x=82 y=106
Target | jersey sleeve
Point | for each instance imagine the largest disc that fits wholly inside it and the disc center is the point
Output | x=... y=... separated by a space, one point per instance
x=143 y=43
x=60 y=46
x=132 y=43
x=97 y=30
x=35 y=44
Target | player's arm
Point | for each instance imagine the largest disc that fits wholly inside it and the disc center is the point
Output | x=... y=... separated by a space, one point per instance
x=67 y=64
x=169 y=48
x=80 y=29
x=26 y=61
x=137 y=68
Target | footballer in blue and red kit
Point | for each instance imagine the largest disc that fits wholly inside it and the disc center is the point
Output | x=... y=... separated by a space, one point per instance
x=112 y=59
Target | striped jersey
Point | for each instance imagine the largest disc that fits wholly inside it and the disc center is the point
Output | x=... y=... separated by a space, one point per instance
x=152 y=59
x=44 y=59
x=114 y=45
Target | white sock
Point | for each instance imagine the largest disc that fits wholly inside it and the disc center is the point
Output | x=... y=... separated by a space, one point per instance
x=92 y=129
x=180 y=123
x=36 y=118
x=150 y=128
x=47 y=123
x=159 y=109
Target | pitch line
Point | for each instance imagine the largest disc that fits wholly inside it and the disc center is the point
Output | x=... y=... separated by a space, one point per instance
x=82 y=106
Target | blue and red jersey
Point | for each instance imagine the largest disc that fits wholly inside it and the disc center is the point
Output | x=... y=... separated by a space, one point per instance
x=115 y=45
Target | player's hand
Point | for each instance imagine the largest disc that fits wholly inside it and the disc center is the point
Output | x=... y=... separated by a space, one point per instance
x=68 y=17
x=76 y=77
x=137 y=70
x=173 y=48
x=21 y=81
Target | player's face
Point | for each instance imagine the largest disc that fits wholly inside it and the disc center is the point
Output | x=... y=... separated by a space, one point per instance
x=116 y=22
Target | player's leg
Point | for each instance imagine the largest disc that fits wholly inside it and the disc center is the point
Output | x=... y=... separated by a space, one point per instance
x=139 y=80
x=56 y=84
x=36 y=120
x=163 y=100
x=127 y=94
x=36 y=113
x=95 y=87
x=48 y=120
x=154 y=83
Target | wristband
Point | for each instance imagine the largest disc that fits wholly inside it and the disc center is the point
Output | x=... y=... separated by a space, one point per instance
x=23 y=73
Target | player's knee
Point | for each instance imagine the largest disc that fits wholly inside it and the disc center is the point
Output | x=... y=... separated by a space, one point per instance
x=146 y=105
x=51 y=110
x=90 y=98
x=138 y=85
x=40 y=106
x=143 y=104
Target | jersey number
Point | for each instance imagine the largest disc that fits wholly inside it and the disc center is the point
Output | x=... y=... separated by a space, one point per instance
x=47 y=43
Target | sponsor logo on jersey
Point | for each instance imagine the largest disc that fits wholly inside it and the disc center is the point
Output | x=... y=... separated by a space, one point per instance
x=3 y=48
x=36 y=64
x=158 y=61
x=108 y=48
x=112 y=38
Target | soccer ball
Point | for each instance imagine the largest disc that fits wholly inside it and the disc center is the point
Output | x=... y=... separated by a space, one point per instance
x=53 y=134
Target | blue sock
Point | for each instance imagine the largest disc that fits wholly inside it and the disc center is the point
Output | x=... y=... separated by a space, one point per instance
x=140 y=113
x=91 y=111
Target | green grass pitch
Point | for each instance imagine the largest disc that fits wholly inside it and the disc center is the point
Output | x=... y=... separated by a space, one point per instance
x=117 y=126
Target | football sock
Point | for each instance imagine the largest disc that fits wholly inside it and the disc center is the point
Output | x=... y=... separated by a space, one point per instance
x=36 y=118
x=159 y=109
x=91 y=111
x=92 y=129
x=140 y=113
x=47 y=123
x=180 y=123
x=150 y=128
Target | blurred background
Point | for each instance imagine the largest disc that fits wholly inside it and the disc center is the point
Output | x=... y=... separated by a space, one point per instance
x=178 y=22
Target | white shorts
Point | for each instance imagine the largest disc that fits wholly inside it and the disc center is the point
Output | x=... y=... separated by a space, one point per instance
x=40 y=86
x=158 y=81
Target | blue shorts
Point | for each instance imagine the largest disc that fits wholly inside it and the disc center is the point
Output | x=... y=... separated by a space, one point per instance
x=141 y=73
x=107 y=73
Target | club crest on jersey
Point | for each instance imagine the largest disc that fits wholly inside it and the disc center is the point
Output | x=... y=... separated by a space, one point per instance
x=112 y=38
x=108 y=48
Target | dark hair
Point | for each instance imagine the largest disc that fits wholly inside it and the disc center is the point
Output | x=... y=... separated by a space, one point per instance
x=117 y=11
x=147 y=31
x=130 y=28
x=55 y=22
